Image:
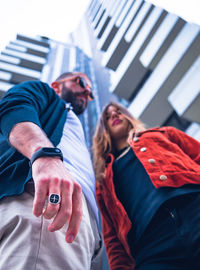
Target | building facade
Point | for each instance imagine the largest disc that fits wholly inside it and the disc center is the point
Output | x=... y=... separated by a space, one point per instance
x=40 y=58
x=153 y=58
x=23 y=59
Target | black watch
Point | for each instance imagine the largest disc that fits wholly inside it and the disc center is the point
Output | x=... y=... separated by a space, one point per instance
x=46 y=152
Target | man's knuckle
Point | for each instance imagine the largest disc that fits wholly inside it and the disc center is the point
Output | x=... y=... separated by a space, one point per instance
x=78 y=212
x=48 y=215
x=67 y=212
x=56 y=180
x=77 y=187
x=67 y=184
x=44 y=180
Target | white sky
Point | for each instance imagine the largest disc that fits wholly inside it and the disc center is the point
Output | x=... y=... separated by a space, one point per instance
x=187 y=9
x=52 y=18
x=57 y=18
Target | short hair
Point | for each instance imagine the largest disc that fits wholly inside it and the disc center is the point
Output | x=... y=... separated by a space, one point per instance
x=69 y=74
x=64 y=75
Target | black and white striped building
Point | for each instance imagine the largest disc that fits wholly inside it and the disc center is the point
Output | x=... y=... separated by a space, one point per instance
x=41 y=58
x=153 y=58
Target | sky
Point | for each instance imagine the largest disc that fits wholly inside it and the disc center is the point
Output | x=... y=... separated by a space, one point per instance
x=57 y=18
x=52 y=18
x=187 y=9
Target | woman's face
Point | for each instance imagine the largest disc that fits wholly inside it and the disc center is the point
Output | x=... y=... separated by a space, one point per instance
x=118 y=126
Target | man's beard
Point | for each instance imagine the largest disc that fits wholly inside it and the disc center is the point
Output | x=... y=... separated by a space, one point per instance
x=78 y=104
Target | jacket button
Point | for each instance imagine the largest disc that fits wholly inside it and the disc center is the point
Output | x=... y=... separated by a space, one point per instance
x=163 y=177
x=135 y=139
x=143 y=149
x=152 y=161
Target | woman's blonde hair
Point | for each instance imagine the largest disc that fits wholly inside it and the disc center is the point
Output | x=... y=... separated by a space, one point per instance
x=102 y=143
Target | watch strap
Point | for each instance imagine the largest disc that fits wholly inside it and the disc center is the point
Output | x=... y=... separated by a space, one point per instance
x=46 y=152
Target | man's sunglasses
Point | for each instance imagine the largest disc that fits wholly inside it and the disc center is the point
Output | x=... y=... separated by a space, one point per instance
x=82 y=83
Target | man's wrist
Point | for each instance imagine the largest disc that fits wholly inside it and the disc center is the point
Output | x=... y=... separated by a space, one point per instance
x=46 y=152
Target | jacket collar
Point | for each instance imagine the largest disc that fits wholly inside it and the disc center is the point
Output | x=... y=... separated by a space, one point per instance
x=110 y=157
x=154 y=129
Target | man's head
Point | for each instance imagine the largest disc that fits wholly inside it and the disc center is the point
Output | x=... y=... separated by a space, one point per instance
x=74 y=87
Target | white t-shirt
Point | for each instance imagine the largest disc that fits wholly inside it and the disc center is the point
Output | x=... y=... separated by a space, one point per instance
x=77 y=159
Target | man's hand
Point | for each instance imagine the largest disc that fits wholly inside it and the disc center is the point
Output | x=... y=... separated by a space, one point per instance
x=51 y=176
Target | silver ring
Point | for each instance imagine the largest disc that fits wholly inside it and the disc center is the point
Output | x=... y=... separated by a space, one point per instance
x=54 y=198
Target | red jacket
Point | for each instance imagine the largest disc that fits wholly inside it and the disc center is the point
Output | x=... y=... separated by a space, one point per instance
x=171 y=158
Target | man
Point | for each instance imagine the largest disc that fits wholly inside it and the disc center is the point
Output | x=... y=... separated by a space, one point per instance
x=45 y=165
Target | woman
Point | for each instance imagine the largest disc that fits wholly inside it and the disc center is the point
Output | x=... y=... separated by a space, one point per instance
x=148 y=186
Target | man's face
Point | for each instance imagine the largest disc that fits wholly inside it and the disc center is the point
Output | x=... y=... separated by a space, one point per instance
x=75 y=94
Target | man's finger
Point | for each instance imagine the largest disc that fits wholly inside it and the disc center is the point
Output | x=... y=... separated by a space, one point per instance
x=76 y=216
x=41 y=191
x=65 y=210
x=54 y=199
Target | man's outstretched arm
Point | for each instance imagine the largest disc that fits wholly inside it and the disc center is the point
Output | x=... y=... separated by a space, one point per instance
x=50 y=176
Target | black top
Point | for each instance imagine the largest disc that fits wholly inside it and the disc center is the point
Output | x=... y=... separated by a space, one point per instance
x=137 y=194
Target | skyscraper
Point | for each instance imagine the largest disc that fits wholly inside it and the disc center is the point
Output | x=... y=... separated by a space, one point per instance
x=34 y=58
x=153 y=58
